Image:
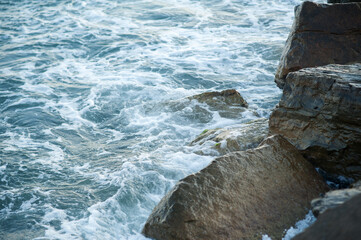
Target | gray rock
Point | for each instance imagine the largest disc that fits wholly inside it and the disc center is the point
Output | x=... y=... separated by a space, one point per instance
x=221 y=141
x=321 y=34
x=333 y=199
x=340 y=223
x=241 y=195
x=342 y=1
x=320 y=114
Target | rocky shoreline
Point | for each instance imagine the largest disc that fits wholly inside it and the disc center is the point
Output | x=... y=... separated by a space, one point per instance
x=244 y=194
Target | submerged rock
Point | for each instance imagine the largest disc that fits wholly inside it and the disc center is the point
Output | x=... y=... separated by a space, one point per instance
x=201 y=108
x=241 y=195
x=222 y=141
x=321 y=34
x=333 y=199
x=342 y=222
x=229 y=103
x=230 y=97
x=320 y=113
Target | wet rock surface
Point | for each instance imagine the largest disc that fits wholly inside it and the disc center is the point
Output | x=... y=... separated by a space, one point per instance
x=241 y=195
x=321 y=34
x=342 y=222
x=221 y=141
x=334 y=198
x=229 y=103
x=320 y=113
x=342 y=1
x=231 y=97
x=200 y=108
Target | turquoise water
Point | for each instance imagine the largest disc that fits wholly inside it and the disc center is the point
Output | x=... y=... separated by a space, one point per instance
x=89 y=143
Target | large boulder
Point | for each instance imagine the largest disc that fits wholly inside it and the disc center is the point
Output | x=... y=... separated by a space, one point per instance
x=342 y=222
x=320 y=113
x=241 y=195
x=321 y=34
x=225 y=140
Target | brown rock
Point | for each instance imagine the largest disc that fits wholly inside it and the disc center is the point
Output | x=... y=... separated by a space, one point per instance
x=241 y=195
x=221 y=141
x=320 y=114
x=230 y=97
x=340 y=223
x=321 y=34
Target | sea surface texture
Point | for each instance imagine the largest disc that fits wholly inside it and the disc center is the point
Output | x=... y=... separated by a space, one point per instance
x=94 y=121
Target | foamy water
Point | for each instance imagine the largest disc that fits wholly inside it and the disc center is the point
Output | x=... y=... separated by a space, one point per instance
x=89 y=141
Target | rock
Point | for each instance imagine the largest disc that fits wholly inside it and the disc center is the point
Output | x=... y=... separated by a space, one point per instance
x=342 y=222
x=201 y=108
x=342 y=1
x=321 y=34
x=229 y=103
x=230 y=97
x=320 y=114
x=241 y=195
x=333 y=199
x=221 y=141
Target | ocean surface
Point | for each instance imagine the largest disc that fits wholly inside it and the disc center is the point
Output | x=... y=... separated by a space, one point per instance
x=89 y=143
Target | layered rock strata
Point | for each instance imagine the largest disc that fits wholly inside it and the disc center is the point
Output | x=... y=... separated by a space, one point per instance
x=342 y=222
x=241 y=195
x=321 y=34
x=320 y=113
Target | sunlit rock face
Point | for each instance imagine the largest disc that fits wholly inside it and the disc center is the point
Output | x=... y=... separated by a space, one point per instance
x=241 y=195
x=320 y=113
x=321 y=34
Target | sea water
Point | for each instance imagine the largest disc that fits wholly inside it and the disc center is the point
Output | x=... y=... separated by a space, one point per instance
x=88 y=142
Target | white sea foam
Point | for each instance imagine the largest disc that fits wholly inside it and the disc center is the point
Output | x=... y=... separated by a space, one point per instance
x=299 y=227
x=38 y=88
x=27 y=205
